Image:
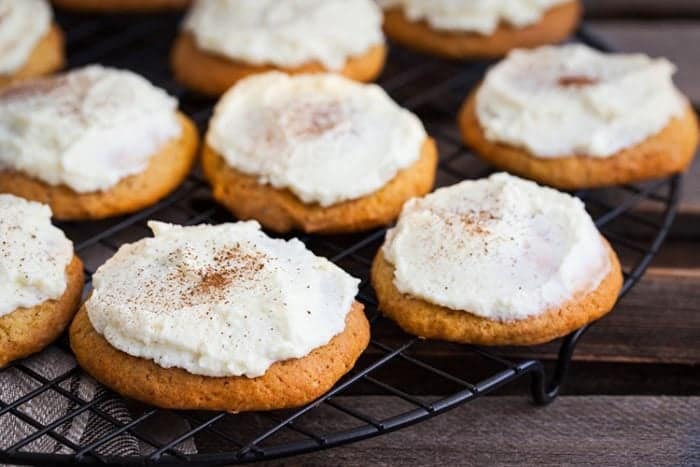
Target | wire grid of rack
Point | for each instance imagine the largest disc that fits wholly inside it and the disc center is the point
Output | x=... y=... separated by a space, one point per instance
x=433 y=89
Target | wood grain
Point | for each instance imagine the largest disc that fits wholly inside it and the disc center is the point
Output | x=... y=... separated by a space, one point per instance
x=601 y=431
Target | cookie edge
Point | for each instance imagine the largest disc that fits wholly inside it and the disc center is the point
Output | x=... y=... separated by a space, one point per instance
x=213 y=74
x=48 y=319
x=286 y=384
x=282 y=211
x=421 y=318
x=129 y=195
x=668 y=152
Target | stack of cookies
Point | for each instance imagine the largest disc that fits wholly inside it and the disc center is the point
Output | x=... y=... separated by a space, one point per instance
x=227 y=317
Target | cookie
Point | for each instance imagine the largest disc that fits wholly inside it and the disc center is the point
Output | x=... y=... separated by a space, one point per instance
x=555 y=25
x=286 y=384
x=219 y=317
x=120 y=150
x=281 y=211
x=134 y=6
x=29 y=330
x=424 y=319
x=495 y=262
x=318 y=153
x=47 y=57
x=41 y=279
x=668 y=152
x=591 y=120
x=31 y=42
x=166 y=170
x=212 y=74
x=221 y=43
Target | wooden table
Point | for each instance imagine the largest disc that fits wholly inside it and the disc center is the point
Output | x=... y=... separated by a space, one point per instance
x=633 y=396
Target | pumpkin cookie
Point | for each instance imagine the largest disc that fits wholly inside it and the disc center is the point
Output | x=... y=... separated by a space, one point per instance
x=219 y=318
x=31 y=45
x=112 y=6
x=93 y=143
x=41 y=280
x=499 y=261
x=224 y=42
x=478 y=29
x=318 y=153
x=573 y=118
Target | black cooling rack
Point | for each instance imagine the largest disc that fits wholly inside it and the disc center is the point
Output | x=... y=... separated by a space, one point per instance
x=434 y=90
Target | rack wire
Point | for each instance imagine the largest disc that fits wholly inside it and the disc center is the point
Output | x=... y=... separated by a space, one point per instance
x=433 y=89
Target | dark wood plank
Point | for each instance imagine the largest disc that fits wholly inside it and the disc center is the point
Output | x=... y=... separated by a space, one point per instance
x=601 y=431
x=645 y=8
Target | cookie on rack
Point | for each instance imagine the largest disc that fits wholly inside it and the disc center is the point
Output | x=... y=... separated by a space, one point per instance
x=93 y=143
x=318 y=153
x=121 y=6
x=41 y=279
x=573 y=117
x=484 y=29
x=30 y=41
x=222 y=42
x=219 y=318
x=496 y=261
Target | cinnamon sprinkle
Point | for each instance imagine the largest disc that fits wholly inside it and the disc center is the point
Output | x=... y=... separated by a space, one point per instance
x=198 y=285
x=576 y=81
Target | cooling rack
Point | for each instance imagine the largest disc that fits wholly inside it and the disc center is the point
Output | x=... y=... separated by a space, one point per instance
x=433 y=89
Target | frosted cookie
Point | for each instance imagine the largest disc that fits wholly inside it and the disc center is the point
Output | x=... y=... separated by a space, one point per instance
x=319 y=153
x=107 y=6
x=31 y=44
x=224 y=41
x=497 y=261
x=92 y=143
x=219 y=318
x=40 y=279
x=464 y=29
x=573 y=117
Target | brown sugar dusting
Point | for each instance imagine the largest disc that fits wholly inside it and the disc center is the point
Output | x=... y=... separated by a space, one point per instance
x=576 y=81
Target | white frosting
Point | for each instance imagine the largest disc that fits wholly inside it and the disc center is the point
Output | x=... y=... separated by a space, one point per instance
x=222 y=300
x=322 y=136
x=532 y=100
x=501 y=248
x=286 y=33
x=478 y=16
x=23 y=23
x=87 y=129
x=33 y=255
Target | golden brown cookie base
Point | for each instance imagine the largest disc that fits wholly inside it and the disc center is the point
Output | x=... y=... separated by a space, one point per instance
x=555 y=26
x=668 y=152
x=166 y=170
x=135 y=6
x=213 y=74
x=28 y=330
x=48 y=56
x=286 y=384
x=424 y=319
x=280 y=210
